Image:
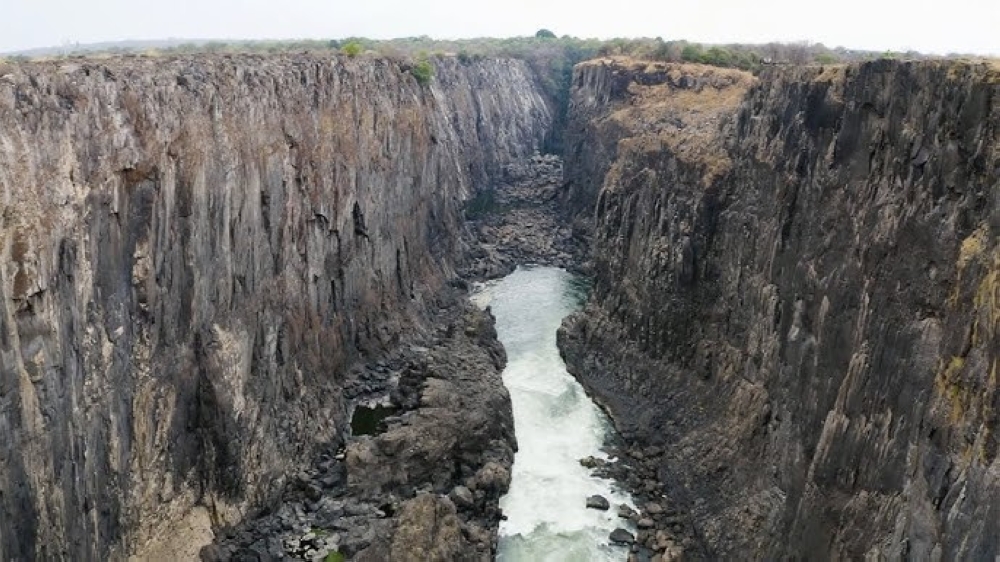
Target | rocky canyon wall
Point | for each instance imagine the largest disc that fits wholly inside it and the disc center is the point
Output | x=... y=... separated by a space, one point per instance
x=797 y=294
x=195 y=249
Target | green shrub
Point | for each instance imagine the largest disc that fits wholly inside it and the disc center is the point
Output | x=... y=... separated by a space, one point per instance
x=549 y=56
x=692 y=53
x=216 y=47
x=718 y=56
x=352 y=49
x=825 y=58
x=423 y=71
x=335 y=556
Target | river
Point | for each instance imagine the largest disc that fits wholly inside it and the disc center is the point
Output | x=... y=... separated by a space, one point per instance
x=556 y=425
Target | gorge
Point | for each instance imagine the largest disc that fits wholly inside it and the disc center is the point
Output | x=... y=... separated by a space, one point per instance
x=209 y=261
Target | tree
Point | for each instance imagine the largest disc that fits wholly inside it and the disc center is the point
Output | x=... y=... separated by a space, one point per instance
x=544 y=34
x=352 y=49
x=718 y=56
x=799 y=53
x=825 y=58
x=691 y=53
x=423 y=71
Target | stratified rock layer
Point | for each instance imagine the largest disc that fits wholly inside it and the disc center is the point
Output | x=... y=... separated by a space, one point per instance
x=800 y=299
x=193 y=250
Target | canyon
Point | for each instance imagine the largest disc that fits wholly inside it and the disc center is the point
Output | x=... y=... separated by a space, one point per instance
x=208 y=262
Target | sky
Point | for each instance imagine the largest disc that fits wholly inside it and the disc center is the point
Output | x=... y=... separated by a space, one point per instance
x=930 y=26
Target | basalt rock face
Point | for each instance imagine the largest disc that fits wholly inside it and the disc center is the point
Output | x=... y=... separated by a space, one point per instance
x=801 y=302
x=591 y=138
x=193 y=252
x=619 y=99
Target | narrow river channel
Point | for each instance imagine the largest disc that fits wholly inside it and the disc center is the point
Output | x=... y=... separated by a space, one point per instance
x=556 y=426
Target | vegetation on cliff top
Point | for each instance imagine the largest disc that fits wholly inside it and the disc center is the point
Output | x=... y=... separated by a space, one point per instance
x=544 y=42
x=423 y=71
x=551 y=57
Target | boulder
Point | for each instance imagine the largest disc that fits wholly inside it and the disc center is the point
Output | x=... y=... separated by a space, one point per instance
x=598 y=502
x=462 y=497
x=654 y=508
x=621 y=536
x=625 y=511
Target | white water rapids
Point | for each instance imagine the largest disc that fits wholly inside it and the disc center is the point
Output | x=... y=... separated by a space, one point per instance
x=556 y=425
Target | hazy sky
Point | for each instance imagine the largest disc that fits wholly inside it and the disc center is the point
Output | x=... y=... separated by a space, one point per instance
x=938 y=26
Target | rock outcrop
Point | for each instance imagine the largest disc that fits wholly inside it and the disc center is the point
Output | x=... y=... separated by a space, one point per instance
x=796 y=297
x=195 y=250
x=449 y=444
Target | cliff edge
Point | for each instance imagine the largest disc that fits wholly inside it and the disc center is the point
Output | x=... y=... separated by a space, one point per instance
x=195 y=251
x=801 y=312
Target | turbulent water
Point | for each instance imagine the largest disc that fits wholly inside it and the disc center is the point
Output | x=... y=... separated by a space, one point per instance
x=556 y=425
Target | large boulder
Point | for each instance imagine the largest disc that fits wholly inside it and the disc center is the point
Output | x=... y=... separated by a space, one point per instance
x=598 y=502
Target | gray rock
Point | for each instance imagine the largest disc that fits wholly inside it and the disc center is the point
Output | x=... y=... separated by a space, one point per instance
x=211 y=553
x=654 y=508
x=598 y=502
x=625 y=511
x=462 y=497
x=621 y=536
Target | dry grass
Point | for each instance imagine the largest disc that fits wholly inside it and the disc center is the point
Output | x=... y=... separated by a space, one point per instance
x=985 y=70
x=679 y=107
x=719 y=77
x=831 y=73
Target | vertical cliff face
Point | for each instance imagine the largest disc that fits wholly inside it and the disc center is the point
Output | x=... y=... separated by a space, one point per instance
x=193 y=250
x=592 y=135
x=798 y=286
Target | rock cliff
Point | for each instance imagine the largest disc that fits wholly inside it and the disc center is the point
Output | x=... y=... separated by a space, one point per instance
x=195 y=250
x=796 y=296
